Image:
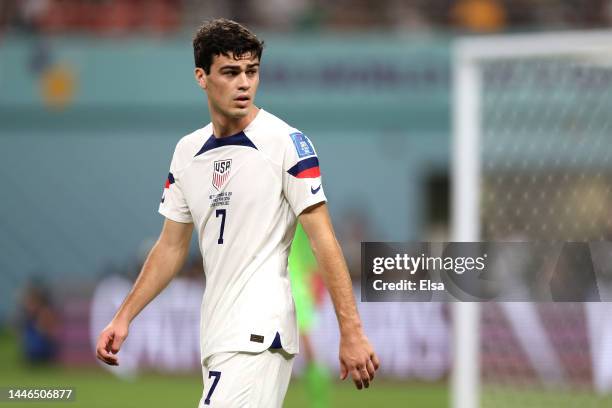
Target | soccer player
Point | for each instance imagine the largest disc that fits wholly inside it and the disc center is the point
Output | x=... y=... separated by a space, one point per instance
x=242 y=182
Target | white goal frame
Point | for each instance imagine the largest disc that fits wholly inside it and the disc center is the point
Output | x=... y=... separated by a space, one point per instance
x=468 y=55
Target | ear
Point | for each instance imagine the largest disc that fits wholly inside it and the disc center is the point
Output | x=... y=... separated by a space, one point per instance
x=200 y=77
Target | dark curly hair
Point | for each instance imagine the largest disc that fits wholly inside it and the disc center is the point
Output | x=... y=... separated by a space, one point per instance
x=222 y=37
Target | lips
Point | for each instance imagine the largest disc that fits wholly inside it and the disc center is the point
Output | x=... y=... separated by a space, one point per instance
x=242 y=98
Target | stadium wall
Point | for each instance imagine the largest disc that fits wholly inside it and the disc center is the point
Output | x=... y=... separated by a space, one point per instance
x=88 y=126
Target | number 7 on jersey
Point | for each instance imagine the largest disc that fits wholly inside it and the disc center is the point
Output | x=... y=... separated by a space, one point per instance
x=223 y=213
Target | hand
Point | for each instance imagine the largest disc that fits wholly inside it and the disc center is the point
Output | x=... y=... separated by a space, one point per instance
x=357 y=357
x=110 y=341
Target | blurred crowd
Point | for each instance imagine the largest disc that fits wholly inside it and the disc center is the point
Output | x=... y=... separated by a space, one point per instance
x=112 y=17
x=38 y=324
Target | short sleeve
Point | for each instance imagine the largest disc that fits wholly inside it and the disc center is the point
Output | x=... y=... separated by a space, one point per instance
x=301 y=174
x=173 y=204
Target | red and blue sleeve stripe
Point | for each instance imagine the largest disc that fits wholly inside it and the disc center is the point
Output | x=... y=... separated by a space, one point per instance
x=307 y=168
x=169 y=180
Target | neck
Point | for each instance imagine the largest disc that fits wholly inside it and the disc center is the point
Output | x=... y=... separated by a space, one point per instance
x=224 y=126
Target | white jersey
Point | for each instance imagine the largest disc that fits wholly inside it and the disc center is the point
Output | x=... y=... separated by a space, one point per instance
x=243 y=194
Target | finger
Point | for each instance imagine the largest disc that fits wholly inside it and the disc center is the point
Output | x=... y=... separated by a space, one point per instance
x=343 y=371
x=103 y=339
x=101 y=346
x=103 y=350
x=116 y=343
x=357 y=378
x=365 y=377
x=106 y=357
x=107 y=340
x=104 y=354
x=109 y=361
x=375 y=360
x=371 y=369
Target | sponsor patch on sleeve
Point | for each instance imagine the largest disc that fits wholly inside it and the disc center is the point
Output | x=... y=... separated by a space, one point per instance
x=302 y=144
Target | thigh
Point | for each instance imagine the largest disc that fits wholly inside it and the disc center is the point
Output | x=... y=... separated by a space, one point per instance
x=272 y=380
x=246 y=379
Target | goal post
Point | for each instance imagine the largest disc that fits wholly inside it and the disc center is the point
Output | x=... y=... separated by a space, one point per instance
x=465 y=223
x=529 y=128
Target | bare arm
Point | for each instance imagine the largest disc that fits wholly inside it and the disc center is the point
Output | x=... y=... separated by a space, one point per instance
x=164 y=261
x=357 y=356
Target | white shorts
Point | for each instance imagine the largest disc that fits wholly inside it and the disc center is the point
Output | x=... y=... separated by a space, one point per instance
x=246 y=379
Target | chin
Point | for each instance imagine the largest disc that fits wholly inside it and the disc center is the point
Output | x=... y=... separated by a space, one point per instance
x=239 y=113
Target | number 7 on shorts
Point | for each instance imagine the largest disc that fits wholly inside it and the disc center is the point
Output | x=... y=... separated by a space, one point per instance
x=217 y=375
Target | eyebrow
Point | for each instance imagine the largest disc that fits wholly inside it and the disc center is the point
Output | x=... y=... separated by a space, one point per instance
x=238 y=66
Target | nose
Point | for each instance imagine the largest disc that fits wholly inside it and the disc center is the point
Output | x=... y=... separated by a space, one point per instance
x=243 y=83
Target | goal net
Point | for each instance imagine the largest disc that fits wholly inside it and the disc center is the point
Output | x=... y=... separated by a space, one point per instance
x=533 y=163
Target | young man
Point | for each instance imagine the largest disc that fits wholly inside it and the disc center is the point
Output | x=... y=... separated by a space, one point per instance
x=243 y=181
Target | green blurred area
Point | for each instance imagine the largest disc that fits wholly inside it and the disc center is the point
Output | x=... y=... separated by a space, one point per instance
x=508 y=397
x=96 y=388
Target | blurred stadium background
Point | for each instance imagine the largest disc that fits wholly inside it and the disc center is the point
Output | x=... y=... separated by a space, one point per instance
x=94 y=95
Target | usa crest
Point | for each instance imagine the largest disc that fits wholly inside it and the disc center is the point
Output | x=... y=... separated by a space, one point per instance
x=221 y=171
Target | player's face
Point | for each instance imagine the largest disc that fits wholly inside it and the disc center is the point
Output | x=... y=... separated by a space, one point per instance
x=231 y=84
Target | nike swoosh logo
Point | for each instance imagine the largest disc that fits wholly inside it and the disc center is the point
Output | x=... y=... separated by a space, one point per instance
x=315 y=190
